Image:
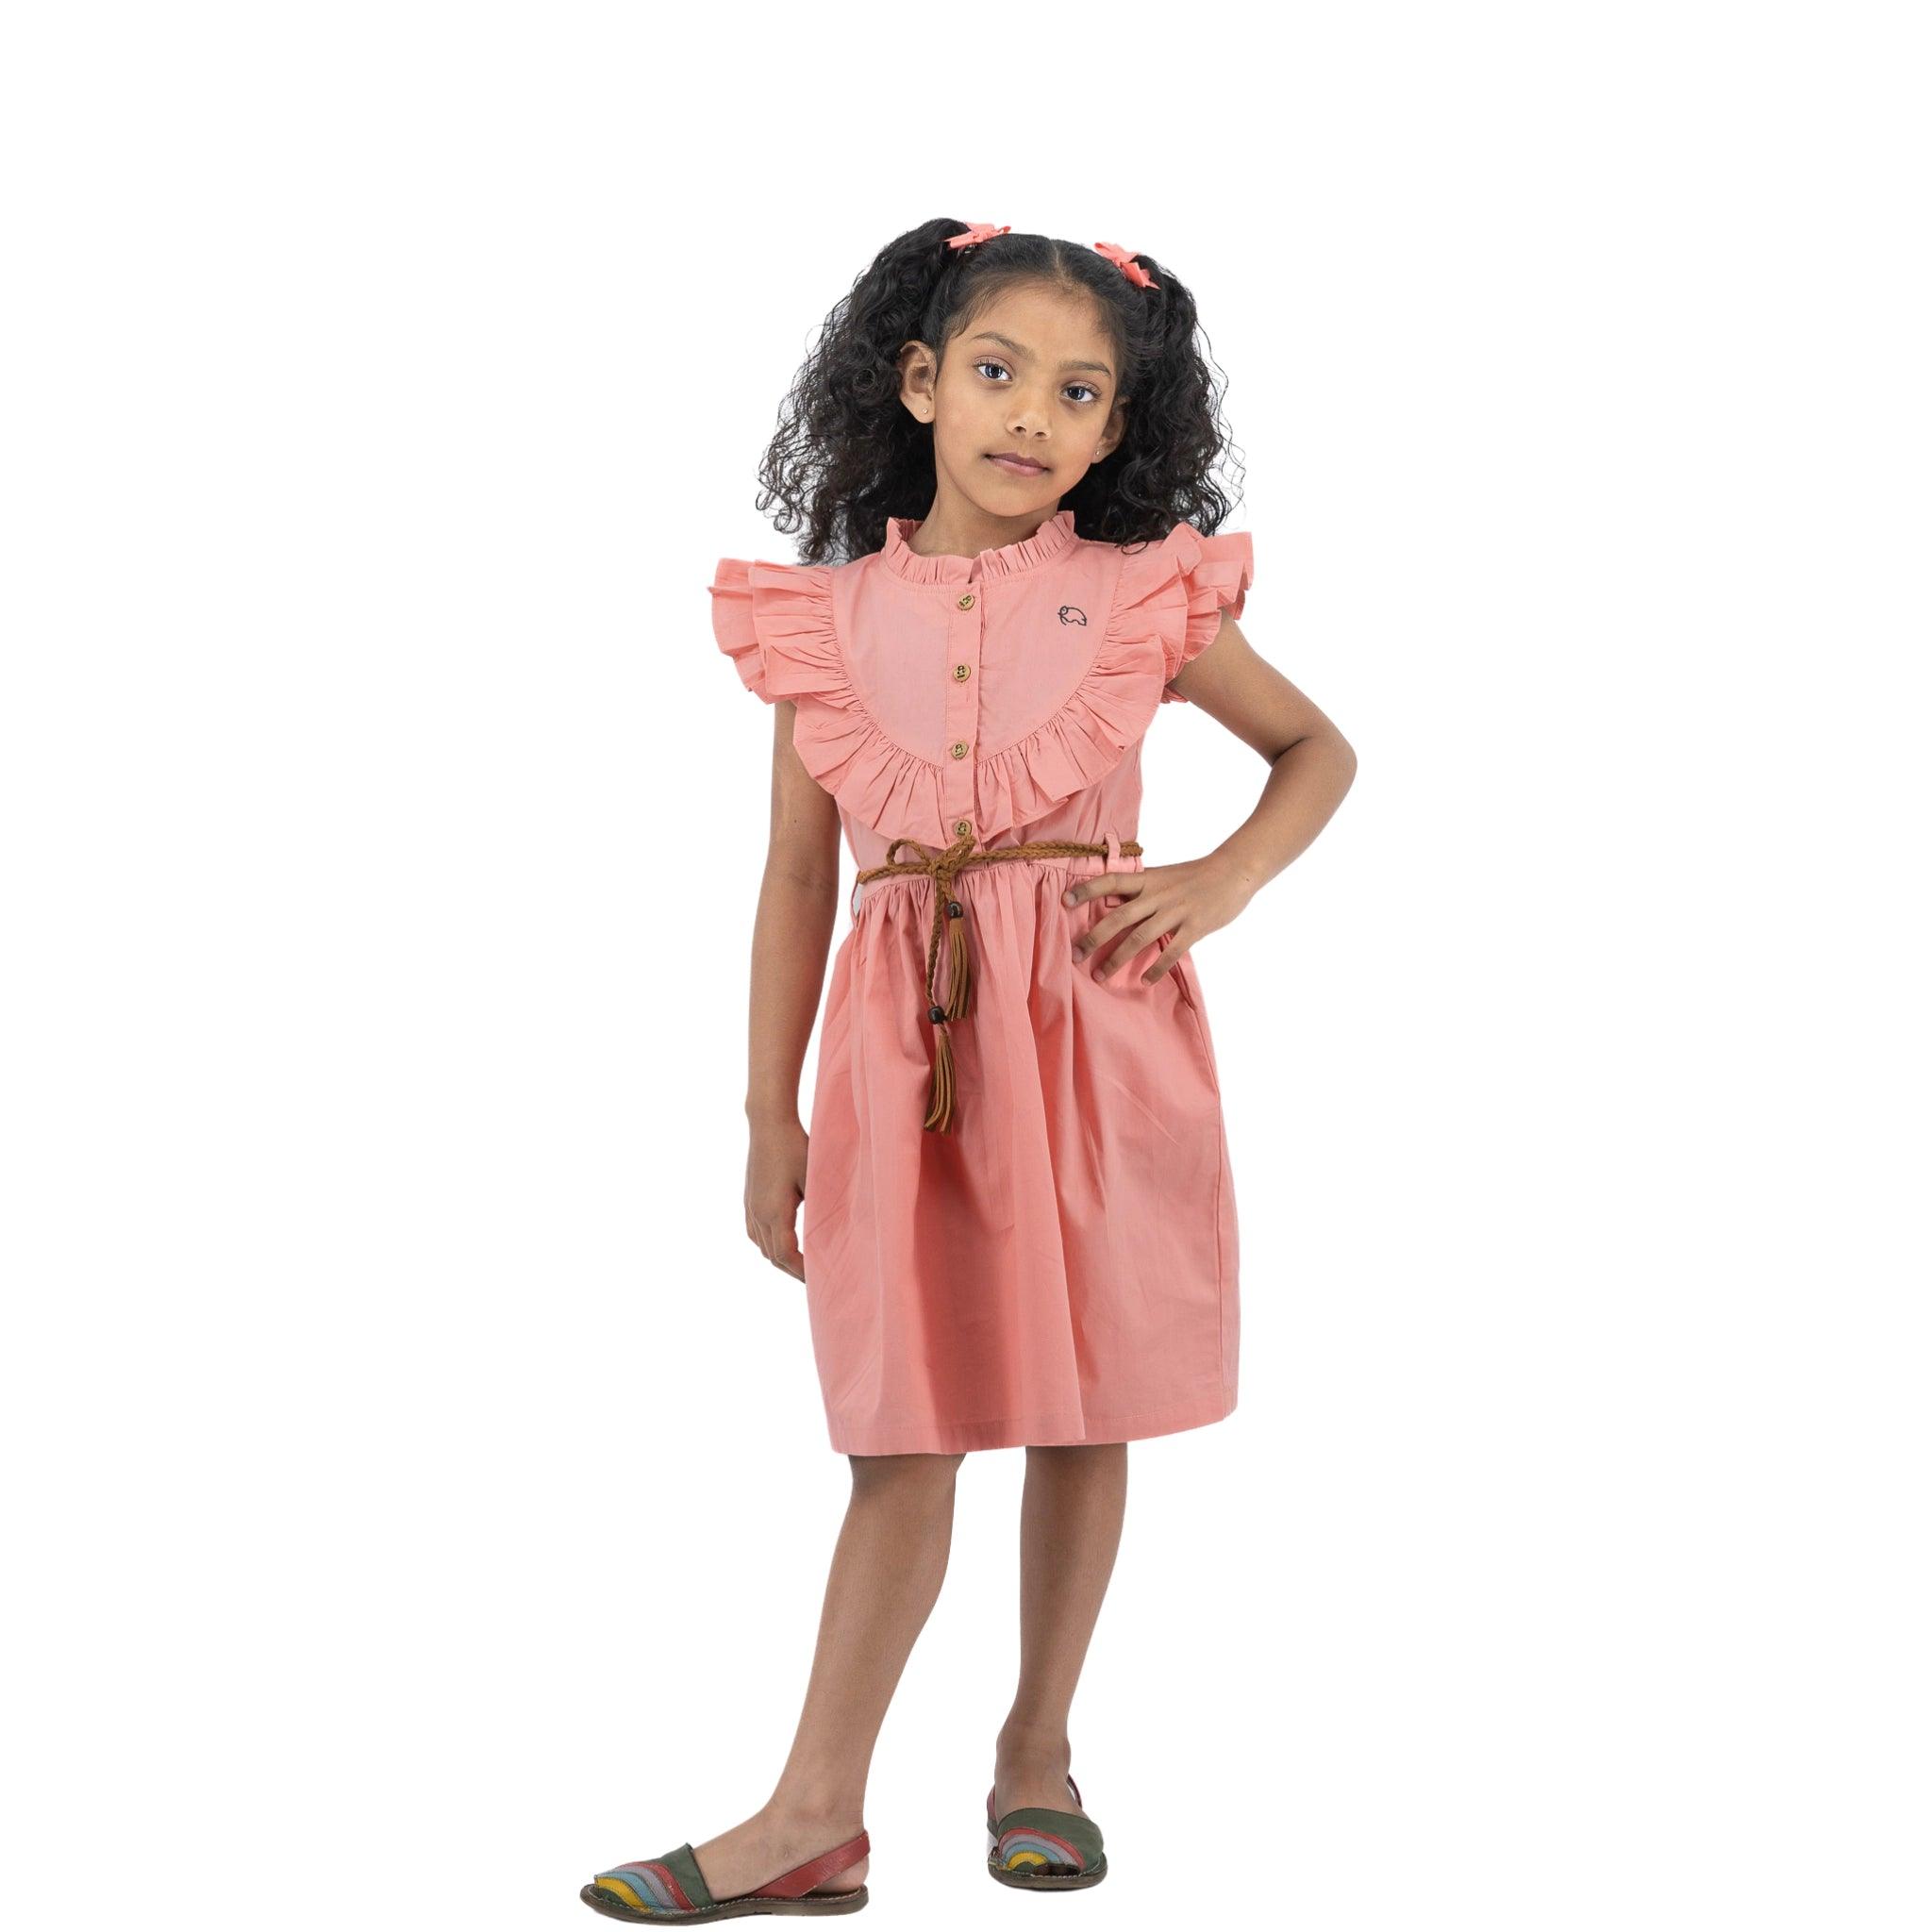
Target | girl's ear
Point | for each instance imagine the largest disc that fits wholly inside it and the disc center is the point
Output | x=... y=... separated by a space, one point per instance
x=918 y=377
x=1116 y=428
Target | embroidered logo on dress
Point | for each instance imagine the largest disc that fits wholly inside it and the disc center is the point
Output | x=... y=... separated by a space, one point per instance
x=1071 y=613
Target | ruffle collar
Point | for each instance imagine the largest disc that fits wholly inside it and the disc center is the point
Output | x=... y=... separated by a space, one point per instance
x=1053 y=539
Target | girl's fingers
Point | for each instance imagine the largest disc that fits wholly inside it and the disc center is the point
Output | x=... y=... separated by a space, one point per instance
x=1169 y=954
x=1132 y=885
x=782 y=1251
x=1136 y=940
x=1142 y=910
x=776 y=1236
x=1104 y=885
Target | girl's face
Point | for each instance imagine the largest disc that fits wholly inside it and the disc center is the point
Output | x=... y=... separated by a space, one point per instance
x=1032 y=376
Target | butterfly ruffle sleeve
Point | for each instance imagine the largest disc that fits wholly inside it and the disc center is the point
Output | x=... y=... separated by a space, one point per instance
x=773 y=621
x=1179 y=587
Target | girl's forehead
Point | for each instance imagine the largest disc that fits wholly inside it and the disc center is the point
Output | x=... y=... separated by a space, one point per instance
x=1037 y=320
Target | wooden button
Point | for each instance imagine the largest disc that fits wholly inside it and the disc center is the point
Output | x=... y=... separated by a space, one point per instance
x=966 y=602
x=962 y=826
x=962 y=671
x=959 y=749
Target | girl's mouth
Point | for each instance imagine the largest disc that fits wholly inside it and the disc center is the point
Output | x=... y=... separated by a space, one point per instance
x=1019 y=466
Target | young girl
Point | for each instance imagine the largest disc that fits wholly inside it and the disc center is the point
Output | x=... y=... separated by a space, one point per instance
x=1019 y=1222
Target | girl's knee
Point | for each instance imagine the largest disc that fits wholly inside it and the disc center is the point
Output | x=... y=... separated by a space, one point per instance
x=930 y=1472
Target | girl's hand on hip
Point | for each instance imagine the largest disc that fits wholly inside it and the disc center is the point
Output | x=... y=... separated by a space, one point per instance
x=1186 y=901
x=774 y=1188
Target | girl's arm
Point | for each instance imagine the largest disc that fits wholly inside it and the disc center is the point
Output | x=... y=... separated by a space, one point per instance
x=1313 y=767
x=798 y=905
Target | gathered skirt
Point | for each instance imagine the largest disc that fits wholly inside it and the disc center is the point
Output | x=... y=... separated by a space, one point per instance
x=1062 y=1265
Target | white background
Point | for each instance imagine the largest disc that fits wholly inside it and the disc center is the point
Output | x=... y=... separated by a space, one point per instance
x=418 y=1495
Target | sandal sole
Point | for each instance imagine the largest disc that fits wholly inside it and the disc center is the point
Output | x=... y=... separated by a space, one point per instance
x=1053 y=1882
x=823 y=1906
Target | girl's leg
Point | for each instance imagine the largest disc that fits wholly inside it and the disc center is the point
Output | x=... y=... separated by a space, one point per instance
x=1070 y=1528
x=887 y=1568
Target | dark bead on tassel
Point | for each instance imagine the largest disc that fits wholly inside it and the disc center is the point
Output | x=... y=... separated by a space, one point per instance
x=935 y=1013
x=953 y=908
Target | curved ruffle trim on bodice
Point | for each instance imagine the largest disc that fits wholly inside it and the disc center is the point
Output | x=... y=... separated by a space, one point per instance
x=1166 y=609
x=1109 y=709
x=775 y=623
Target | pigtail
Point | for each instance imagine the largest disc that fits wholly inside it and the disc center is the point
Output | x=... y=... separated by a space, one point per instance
x=847 y=453
x=1163 y=471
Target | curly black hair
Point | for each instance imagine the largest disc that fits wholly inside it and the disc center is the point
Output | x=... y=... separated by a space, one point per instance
x=847 y=453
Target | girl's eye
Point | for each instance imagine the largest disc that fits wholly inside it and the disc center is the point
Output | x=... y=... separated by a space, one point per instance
x=1001 y=367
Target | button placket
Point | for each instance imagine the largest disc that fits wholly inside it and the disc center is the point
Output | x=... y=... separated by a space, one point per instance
x=963 y=634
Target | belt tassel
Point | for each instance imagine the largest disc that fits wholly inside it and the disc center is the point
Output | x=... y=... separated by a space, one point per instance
x=959 y=966
x=943 y=1087
x=939 y=1109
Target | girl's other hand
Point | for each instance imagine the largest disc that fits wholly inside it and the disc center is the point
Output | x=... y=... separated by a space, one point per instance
x=773 y=1189
x=1188 y=900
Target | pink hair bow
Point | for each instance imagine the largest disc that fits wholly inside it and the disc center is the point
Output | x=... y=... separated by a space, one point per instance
x=1124 y=258
x=979 y=231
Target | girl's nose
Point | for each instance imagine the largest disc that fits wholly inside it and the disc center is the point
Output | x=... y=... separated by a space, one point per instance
x=1027 y=416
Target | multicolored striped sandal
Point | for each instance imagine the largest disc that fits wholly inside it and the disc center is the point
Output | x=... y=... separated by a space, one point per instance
x=1037 y=1849
x=672 y=1889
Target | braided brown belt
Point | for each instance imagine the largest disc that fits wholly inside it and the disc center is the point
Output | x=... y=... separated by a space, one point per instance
x=942 y=868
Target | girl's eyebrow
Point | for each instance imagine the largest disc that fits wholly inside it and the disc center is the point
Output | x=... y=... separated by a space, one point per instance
x=987 y=335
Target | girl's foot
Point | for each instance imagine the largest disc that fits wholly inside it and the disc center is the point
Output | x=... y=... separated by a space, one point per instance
x=1032 y=1771
x=771 y=1841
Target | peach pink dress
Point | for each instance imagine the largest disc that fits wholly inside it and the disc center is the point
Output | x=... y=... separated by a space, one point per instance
x=1060 y=1265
